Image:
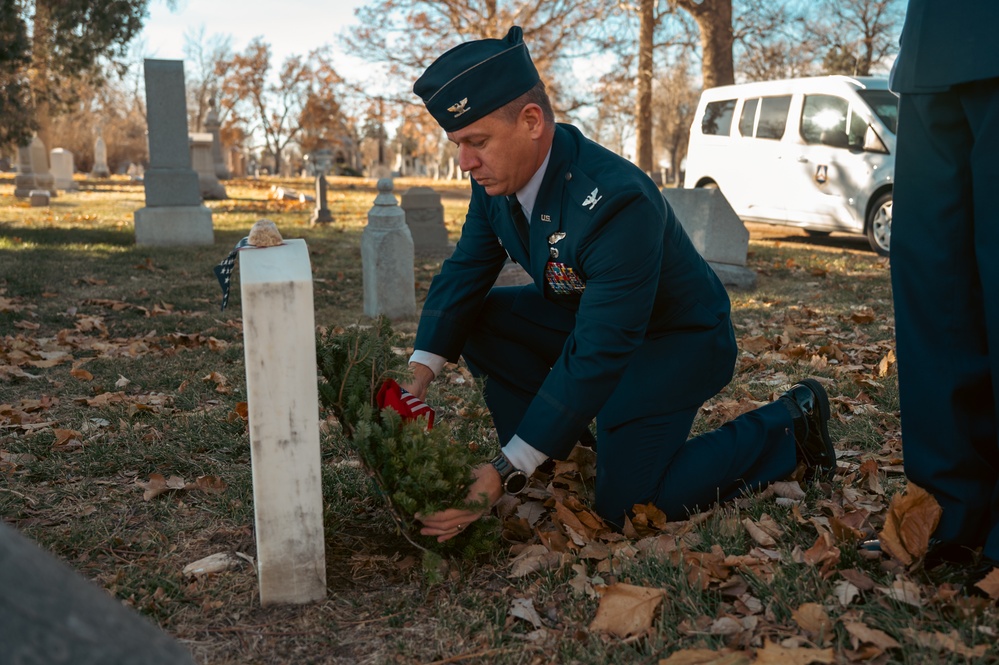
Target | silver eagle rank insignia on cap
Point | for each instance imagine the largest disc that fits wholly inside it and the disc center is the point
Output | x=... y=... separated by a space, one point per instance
x=460 y=109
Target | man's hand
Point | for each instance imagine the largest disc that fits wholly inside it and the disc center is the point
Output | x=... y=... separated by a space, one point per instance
x=449 y=523
x=422 y=377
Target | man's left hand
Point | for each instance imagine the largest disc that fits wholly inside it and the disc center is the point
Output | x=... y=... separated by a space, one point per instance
x=449 y=523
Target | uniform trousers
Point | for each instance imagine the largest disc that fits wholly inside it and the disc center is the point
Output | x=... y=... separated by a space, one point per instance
x=945 y=281
x=645 y=460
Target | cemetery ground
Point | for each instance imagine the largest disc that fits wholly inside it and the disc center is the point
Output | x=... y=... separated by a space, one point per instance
x=124 y=450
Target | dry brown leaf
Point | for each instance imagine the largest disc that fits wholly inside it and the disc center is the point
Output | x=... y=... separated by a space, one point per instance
x=626 y=609
x=67 y=438
x=864 y=634
x=158 y=484
x=823 y=554
x=209 y=484
x=912 y=518
x=706 y=657
x=990 y=584
x=534 y=558
x=81 y=374
x=775 y=654
x=846 y=592
x=858 y=579
x=904 y=591
x=759 y=535
x=945 y=642
x=788 y=490
x=213 y=563
x=812 y=618
x=523 y=608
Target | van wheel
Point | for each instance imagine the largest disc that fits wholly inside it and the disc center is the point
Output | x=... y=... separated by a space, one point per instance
x=879 y=224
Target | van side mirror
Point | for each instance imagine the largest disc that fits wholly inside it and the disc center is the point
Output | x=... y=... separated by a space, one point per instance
x=873 y=142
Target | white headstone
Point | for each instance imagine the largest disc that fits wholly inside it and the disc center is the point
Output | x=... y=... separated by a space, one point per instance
x=283 y=403
x=62 y=169
x=387 y=259
x=174 y=214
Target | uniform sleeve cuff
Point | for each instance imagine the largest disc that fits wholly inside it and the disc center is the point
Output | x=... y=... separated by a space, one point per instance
x=523 y=455
x=431 y=360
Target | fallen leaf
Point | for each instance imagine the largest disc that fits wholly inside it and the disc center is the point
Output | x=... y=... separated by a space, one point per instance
x=214 y=563
x=158 y=484
x=904 y=592
x=812 y=618
x=864 y=634
x=912 y=518
x=626 y=609
x=209 y=484
x=81 y=374
x=775 y=654
x=945 y=642
x=121 y=382
x=523 y=608
x=759 y=535
x=990 y=584
x=706 y=657
x=846 y=592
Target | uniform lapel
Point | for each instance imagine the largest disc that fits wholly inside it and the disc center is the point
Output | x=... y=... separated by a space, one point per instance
x=546 y=218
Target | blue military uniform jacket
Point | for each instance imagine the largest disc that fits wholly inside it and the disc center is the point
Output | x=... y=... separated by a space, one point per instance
x=647 y=319
x=945 y=43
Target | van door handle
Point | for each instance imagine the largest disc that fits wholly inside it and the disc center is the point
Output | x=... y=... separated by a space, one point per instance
x=802 y=159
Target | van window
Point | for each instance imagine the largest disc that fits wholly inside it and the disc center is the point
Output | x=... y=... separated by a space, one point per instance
x=829 y=120
x=718 y=117
x=885 y=104
x=748 y=119
x=773 y=117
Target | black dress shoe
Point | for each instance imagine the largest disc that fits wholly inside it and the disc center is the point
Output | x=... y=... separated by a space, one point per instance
x=809 y=405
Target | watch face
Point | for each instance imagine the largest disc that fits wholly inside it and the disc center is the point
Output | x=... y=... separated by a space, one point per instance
x=515 y=482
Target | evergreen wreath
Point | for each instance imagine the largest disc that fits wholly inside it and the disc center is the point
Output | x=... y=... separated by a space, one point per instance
x=416 y=470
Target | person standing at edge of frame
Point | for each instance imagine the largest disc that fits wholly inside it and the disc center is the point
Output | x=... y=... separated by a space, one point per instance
x=624 y=320
x=945 y=271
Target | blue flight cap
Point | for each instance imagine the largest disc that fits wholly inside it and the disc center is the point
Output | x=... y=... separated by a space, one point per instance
x=475 y=78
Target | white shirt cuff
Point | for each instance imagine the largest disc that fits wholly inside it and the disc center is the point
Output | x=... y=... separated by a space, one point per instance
x=523 y=455
x=431 y=360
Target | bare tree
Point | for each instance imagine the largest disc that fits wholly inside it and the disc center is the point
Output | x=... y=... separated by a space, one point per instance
x=675 y=102
x=857 y=35
x=643 y=109
x=714 y=19
x=202 y=55
x=772 y=40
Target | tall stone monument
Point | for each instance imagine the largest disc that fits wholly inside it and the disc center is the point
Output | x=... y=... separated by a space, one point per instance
x=62 y=169
x=321 y=214
x=174 y=213
x=387 y=259
x=100 y=169
x=214 y=127
x=40 y=166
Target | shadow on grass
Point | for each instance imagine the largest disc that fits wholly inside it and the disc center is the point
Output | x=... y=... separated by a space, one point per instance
x=55 y=236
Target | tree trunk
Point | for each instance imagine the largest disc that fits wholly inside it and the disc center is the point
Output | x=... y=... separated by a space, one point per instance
x=714 y=18
x=643 y=110
x=39 y=73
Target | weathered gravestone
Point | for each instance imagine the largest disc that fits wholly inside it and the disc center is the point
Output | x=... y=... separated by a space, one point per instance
x=321 y=214
x=24 y=181
x=387 y=259
x=283 y=403
x=50 y=614
x=62 y=169
x=214 y=127
x=716 y=232
x=100 y=169
x=174 y=214
x=39 y=198
x=425 y=219
x=40 y=166
x=203 y=164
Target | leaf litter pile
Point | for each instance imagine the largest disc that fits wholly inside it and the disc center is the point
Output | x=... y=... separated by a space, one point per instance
x=124 y=449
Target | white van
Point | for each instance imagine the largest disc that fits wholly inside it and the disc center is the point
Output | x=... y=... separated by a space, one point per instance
x=816 y=153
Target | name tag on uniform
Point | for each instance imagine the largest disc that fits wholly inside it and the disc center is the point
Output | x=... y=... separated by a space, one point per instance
x=562 y=279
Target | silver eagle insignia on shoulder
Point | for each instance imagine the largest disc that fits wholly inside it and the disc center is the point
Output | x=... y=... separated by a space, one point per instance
x=591 y=200
x=460 y=109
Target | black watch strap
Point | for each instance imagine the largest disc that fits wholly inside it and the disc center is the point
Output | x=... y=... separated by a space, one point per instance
x=514 y=480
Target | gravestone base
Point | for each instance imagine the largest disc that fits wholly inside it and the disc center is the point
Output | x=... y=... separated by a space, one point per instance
x=23 y=184
x=739 y=277
x=51 y=614
x=173 y=226
x=39 y=198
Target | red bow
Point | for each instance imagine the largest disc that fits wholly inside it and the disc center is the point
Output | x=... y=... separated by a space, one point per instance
x=406 y=404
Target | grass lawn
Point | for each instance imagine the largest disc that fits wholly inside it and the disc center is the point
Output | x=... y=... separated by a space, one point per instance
x=116 y=364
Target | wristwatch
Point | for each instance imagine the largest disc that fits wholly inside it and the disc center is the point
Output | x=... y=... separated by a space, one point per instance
x=514 y=480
